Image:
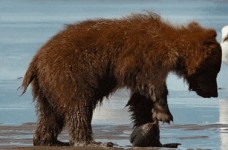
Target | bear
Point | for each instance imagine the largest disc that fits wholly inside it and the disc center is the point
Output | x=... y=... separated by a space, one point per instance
x=89 y=60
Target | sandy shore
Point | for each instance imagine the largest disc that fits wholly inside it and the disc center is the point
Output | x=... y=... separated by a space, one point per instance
x=20 y=137
x=84 y=148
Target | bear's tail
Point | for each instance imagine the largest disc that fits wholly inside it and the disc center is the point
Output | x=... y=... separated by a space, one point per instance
x=29 y=76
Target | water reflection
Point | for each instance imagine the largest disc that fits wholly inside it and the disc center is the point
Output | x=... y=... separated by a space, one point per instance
x=223 y=119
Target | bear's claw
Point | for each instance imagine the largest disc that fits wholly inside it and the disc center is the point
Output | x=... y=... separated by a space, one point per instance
x=162 y=116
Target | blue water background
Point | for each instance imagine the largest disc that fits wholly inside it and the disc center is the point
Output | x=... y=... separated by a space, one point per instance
x=25 y=25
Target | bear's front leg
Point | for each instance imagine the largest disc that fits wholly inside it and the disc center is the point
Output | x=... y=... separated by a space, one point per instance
x=160 y=109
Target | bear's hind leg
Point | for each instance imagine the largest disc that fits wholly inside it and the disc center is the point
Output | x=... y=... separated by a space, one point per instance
x=50 y=124
x=78 y=119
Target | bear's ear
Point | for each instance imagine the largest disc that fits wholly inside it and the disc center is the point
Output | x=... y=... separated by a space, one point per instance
x=210 y=37
x=194 y=25
x=212 y=34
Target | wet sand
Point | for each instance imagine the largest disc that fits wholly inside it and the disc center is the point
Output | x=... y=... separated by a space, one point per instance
x=83 y=148
x=20 y=137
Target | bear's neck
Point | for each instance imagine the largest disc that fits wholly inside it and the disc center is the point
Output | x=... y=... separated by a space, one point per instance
x=184 y=52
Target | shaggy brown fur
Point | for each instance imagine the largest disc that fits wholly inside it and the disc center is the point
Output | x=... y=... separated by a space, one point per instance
x=87 y=61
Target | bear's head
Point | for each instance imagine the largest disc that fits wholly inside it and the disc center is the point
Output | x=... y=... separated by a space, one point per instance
x=204 y=63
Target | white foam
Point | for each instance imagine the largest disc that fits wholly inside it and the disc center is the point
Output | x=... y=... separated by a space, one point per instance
x=224 y=44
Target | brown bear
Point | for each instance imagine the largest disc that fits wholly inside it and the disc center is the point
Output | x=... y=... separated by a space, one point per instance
x=87 y=61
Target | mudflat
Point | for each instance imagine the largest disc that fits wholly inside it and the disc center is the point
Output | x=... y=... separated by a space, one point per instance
x=20 y=137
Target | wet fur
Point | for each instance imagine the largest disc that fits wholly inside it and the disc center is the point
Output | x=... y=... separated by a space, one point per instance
x=89 y=60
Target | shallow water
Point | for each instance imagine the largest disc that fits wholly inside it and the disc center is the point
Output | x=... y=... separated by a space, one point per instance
x=26 y=25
